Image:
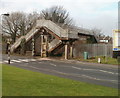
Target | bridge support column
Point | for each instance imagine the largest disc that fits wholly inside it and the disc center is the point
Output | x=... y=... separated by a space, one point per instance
x=71 y=51
x=33 y=46
x=41 y=46
x=66 y=50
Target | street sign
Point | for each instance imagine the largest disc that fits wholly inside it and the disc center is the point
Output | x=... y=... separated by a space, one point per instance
x=116 y=40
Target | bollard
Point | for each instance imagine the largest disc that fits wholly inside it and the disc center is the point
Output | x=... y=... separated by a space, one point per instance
x=9 y=55
x=8 y=60
x=99 y=60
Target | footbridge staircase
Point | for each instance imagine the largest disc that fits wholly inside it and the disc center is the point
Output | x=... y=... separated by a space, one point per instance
x=58 y=32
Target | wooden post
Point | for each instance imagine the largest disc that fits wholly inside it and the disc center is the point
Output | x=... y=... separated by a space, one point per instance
x=66 y=51
x=45 y=45
x=33 y=46
x=41 y=45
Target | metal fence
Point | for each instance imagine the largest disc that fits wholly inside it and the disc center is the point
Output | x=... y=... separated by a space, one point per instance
x=93 y=50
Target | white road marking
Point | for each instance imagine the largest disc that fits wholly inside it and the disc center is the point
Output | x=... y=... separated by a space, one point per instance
x=24 y=60
x=108 y=72
x=70 y=74
x=27 y=60
x=77 y=68
x=16 y=61
x=95 y=70
x=7 y=61
x=32 y=60
x=76 y=75
x=53 y=64
x=98 y=78
x=85 y=76
x=19 y=60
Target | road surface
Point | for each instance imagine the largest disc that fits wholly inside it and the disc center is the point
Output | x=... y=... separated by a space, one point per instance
x=106 y=75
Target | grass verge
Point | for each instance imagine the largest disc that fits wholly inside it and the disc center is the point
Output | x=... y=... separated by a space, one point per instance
x=104 y=60
x=21 y=82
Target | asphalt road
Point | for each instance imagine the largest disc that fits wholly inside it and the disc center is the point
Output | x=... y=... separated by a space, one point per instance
x=106 y=75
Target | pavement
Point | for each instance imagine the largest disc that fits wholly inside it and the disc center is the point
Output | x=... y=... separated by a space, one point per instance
x=100 y=74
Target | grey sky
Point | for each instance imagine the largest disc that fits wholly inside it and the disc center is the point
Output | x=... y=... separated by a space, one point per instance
x=101 y=14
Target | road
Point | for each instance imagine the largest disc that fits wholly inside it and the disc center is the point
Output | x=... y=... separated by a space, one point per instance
x=106 y=75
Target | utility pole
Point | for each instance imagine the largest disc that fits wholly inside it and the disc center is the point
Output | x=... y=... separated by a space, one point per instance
x=8 y=42
x=106 y=53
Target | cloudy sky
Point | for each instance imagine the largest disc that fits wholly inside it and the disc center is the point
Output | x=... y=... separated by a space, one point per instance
x=101 y=14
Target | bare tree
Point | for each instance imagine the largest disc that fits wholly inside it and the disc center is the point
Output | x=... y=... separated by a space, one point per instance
x=97 y=32
x=10 y=25
x=57 y=14
x=18 y=24
x=31 y=21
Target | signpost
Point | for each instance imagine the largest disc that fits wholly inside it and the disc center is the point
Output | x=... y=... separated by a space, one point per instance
x=116 y=43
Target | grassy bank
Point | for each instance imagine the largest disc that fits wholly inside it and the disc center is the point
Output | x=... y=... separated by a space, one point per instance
x=104 y=60
x=21 y=82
